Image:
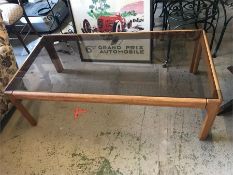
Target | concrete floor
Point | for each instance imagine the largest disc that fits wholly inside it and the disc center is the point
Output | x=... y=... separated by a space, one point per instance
x=120 y=139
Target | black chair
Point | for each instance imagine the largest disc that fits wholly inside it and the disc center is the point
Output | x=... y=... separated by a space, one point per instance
x=155 y=7
x=180 y=14
x=13 y=13
x=227 y=19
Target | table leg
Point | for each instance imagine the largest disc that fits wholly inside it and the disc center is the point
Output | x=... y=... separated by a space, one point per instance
x=54 y=57
x=196 y=58
x=212 y=109
x=23 y=110
x=168 y=58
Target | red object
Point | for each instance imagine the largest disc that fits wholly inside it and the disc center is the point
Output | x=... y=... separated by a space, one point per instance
x=109 y=23
x=78 y=111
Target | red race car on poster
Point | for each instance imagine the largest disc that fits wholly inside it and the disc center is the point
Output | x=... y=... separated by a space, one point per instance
x=114 y=23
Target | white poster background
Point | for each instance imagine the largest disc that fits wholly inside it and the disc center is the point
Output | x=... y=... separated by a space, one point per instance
x=122 y=50
x=80 y=10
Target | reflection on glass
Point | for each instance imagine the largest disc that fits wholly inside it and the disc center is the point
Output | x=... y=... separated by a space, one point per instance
x=138 y=72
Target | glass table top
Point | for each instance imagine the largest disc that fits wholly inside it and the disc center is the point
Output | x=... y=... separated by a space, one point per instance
x=119 y=64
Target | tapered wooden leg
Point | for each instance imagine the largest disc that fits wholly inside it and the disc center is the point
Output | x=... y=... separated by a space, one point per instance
x=23 y=110
x=196 y=57
x=54 y=57
x=214 y=93
x=212 y=109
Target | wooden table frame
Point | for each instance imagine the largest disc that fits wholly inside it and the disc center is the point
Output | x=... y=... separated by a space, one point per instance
x=210 y=105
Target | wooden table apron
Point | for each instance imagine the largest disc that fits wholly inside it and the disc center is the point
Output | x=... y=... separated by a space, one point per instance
x=210 y=105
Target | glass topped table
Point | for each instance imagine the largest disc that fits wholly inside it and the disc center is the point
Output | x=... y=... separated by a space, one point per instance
x=123 y=68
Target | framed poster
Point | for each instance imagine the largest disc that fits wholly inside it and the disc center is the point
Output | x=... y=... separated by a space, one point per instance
x=115 y=47
x=104 y=16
